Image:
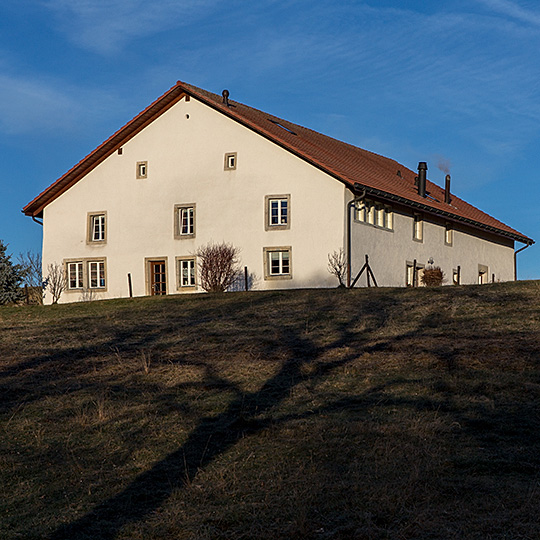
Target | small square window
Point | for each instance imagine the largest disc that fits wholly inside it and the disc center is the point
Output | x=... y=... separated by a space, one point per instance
x=277 y=212
x=230 y=161
x=142 y=169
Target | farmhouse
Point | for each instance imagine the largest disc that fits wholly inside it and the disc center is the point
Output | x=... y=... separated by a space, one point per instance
x=195 y=168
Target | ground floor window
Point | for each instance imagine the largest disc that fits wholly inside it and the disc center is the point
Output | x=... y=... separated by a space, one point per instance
x=86 y=274
x=75 y=275
x=482 y=274
x=187 y=272
x=277 y=262
x=456 y=276
x=413 y=274
x=96 y=271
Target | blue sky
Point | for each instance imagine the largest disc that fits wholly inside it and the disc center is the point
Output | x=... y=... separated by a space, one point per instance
x=453 y=83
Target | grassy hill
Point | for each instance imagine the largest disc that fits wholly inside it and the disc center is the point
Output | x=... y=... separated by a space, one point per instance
x=316 y=414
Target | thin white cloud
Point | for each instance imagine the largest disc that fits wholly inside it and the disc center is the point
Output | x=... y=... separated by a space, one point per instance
x=514 y=10
x=30 y=105
x=105 y=26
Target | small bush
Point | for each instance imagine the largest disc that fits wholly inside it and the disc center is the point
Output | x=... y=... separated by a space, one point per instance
x=433 y=276
x=337 y=265
x=219 y=266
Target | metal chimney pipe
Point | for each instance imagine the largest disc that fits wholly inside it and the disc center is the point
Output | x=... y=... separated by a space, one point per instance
x=447 y=197
x=225 y=95
x=422 y=168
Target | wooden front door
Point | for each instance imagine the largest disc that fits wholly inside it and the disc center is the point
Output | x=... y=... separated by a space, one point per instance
x=158 y=278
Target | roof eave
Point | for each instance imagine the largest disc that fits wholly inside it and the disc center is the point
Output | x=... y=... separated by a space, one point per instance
x=104 y=150
x=439 y=212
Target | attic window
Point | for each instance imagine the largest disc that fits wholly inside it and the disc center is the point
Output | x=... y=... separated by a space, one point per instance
x=230 y=161
x=142 y=169
x=282 y=127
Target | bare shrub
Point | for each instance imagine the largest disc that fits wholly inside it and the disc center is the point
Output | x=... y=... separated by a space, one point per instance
x=87 y=295
x=432 y=276
x=56 y=281
x=31 y=272
x=337 y=265
x=219 y=266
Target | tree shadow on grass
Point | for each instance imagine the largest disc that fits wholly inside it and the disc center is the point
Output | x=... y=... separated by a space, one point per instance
x=211 y=438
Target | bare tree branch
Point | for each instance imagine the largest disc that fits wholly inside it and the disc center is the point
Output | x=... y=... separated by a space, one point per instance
x=337 y=265
x=219 y=266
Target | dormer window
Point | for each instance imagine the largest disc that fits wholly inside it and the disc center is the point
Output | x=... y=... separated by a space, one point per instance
x=142 y=169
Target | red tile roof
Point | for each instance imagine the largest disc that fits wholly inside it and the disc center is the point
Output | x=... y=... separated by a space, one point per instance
x=357 y=168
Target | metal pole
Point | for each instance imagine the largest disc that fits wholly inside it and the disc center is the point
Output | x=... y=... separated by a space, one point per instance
x=246 y=278
x=130 y=286
x=350 y=204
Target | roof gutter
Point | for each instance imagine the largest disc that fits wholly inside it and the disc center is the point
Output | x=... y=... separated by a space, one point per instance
x=430 y=210
x=530 y=243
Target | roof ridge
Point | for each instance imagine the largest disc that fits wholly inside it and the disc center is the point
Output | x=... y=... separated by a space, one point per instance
x=347 y=163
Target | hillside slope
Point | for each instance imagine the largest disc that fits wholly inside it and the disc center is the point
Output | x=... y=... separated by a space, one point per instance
x=364 y=414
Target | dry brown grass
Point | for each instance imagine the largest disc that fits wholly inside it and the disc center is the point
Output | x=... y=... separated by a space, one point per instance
x=305 y=414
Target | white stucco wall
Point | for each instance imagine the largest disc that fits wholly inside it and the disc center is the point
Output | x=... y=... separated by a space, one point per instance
x=185 y=150
x=390 y=250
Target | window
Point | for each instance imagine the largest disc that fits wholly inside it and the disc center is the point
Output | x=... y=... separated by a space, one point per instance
x=86 y=274
x=413 y=275
x=96 y=272
x=187 y=272
x=418 y=228
x=372 y=213
x=97 y=231
x=184 y=217
x=278 y=212
x=277 y=263
x=75 y=275
x=142 y=169
x=448 y=234
x=230 y=161
x=482 y=274
x=409 y=276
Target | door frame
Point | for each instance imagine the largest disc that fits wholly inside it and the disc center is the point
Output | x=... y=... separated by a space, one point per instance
x=149 y=264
